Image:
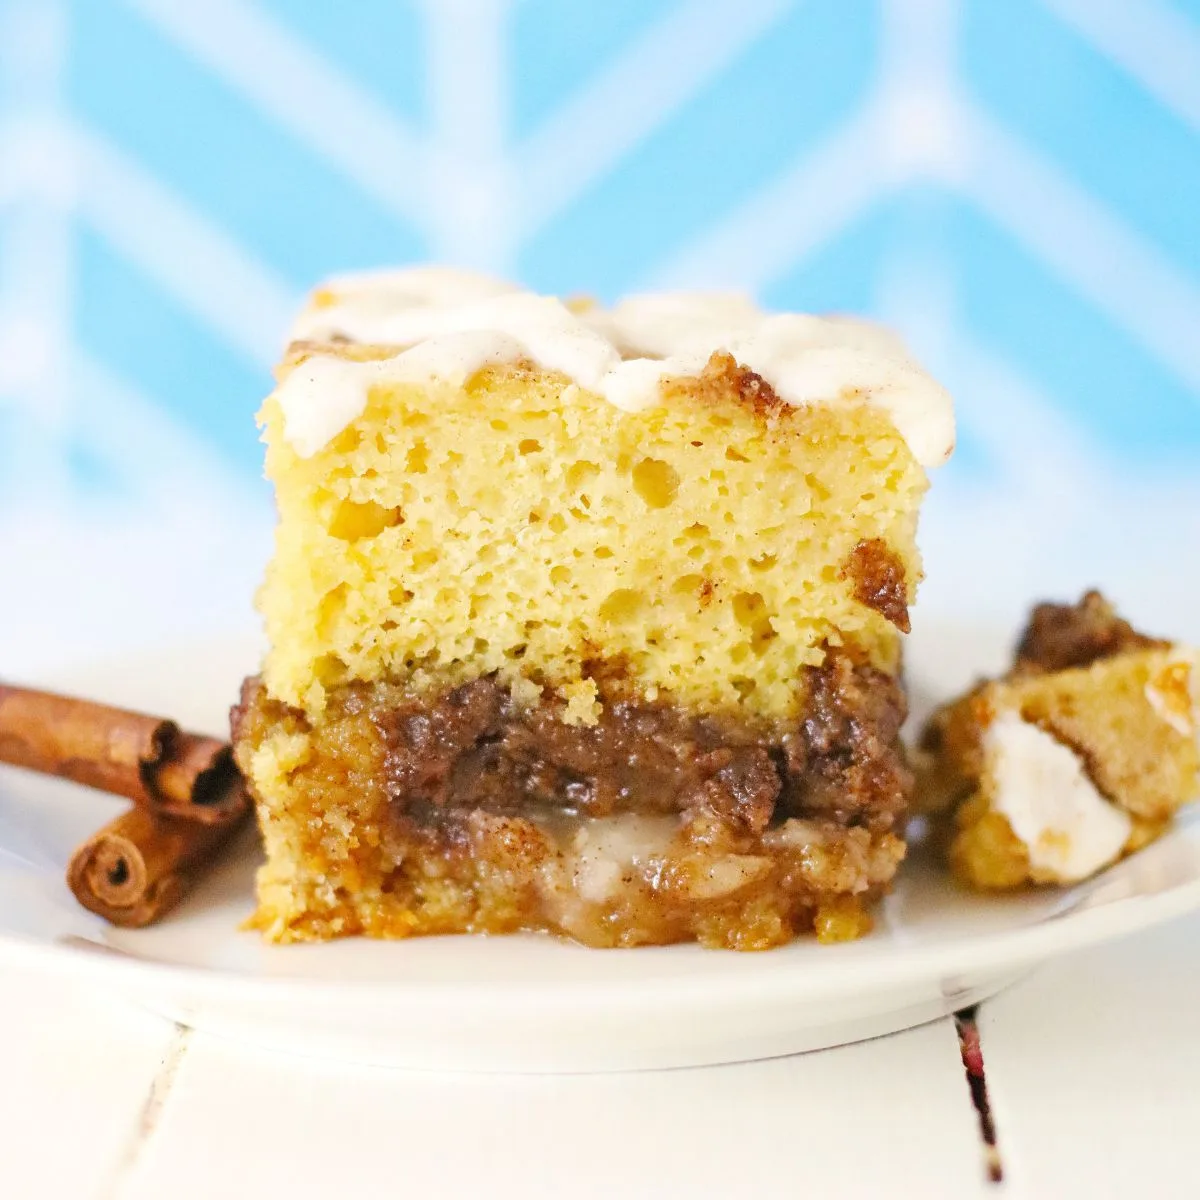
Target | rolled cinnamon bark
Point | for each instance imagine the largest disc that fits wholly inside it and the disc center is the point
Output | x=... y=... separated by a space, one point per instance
x=93 y=744
x=194 y=780
x=146 y=759
x=140 y=866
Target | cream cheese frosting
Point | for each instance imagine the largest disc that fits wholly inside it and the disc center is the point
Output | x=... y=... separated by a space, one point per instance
x=1042 y=789
x=362 y=305
x=447 y=324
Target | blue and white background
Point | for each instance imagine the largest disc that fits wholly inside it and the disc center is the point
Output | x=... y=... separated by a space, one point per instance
x=1014 y=183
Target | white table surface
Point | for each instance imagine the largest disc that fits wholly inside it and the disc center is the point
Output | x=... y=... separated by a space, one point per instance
x=1092 y=1063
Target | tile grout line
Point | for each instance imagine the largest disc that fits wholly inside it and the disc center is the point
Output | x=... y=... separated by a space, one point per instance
x=157 y=1095
x=966 y=1024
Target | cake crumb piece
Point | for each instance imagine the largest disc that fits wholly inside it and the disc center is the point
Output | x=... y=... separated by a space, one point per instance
x=1080 y=754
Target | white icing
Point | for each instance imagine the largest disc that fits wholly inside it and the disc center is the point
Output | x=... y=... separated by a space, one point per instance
x=442 y=327
x=365 y=302
x=1041 y=787
x=688 y=324
x=424 y=285
x=316 y=405
x=684 y=324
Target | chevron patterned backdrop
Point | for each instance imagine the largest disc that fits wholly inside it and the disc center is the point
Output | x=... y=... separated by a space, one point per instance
x=1014 y=183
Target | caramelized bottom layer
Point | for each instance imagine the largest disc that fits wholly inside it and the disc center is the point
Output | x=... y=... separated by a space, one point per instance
x=395 y=815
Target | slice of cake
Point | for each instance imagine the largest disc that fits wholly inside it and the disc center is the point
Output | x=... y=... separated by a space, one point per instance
x=584 y=620
x=1082 y=753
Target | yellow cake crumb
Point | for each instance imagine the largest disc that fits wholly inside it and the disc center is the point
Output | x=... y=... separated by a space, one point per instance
x=700 y=548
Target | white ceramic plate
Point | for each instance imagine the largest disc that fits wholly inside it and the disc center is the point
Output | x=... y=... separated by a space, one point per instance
x=531 y=1003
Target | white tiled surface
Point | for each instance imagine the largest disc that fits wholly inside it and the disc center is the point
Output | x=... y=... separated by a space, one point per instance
x=75 y=1072
x=1092 y=1063
x=1094 y=1071
x=738 y=1130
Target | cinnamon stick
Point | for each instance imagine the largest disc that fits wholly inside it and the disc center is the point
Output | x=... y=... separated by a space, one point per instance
x=193 y=780
x=141 y=865
x=146 y=759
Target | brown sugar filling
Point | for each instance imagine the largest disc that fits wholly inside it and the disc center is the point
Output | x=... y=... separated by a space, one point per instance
x=473 y=813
